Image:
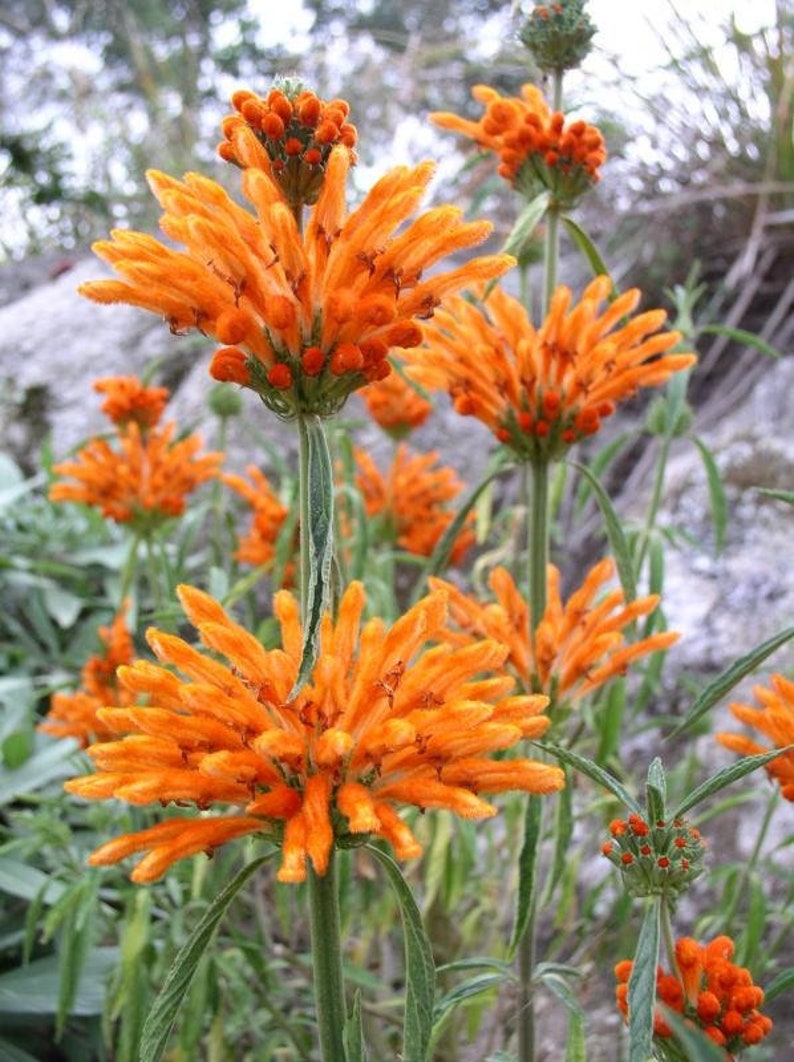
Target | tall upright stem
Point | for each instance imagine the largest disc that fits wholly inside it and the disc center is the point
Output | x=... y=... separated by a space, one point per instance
x=304 y=514
x=536 y=491
x=326 y=939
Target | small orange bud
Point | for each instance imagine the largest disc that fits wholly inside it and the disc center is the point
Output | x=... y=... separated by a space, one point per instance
x=312 y=361
x=280 y=376
x=232 y=326
x=229 y=365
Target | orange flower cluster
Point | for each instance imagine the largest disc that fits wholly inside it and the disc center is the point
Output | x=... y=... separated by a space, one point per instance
x=775 y=720
x=389 y=717
x=710 y=991
x=128 y=399
x=537 y=148
x=75 y=714
x=396 y=406
x=578 y=646
x=297 y=131
x=146 y=477
x=258 y=546
x=306 y=314
x=542 y=390
x=411 y=501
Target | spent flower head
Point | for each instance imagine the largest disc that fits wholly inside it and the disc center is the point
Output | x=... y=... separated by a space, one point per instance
x=391 y=716
x=537 y=148
x=708 y=990
x=558 y=35
x=540 y=390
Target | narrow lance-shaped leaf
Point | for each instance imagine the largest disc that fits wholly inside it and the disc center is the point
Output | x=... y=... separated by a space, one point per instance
x=615 y=535
x=353 y=1033
x=521 y=233
x=588 y=249
x=594 y=773
x=316 y=537
x=656 y=791
x=695 y=1043
x=642 y=985
x=740 y=335
x=527 y=871
x=420 y=972
x=739 y=669
x=725 y=777
x=169 y=999
x=717 y=497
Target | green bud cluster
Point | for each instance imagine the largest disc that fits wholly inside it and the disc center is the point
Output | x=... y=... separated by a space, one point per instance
x=558 y=35
x=662 y=858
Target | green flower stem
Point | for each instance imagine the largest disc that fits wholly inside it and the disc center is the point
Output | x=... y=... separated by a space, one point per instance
x=653 y=506
x=551 y=253
x=304 y=514
x=130 y=566
x=535 y=489
x=329 y=988
x=551 y=249
x=537 y=542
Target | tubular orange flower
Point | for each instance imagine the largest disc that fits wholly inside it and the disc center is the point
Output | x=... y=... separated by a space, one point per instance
x=775 y=720
x=258 y=546
x=396 y=406
x=541 y=390
x=411 y=500
x=304 y=316
x=717 y=996
x=387 y=719
x=290 y=134
x=75 y=714
x=145 y=479
x=128 y=399
x=537 y=148
x=578 y=646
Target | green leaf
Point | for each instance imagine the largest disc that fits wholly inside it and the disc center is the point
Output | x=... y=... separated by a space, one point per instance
x=63 y=606
x=44 y=766
x=76 y=938
x=11 y=1053
x=594 y=773
x=717 y=497
x=526 y=223
x=527 y=870
x=353 y=1033
x=782 y=983
x=420 y=973
x=615 y=535
x=558 y=984
x=26 y=882
x=33 y=989
x=317 y=538
x=696 y=1045
x=588 y=249
x=169 y=999
x=16 y=748
x=779 y=495
x=726 y=776
x=729 y=678
x=656 y=791
x=739 y=335
x=642 y=986
x=575 y=1047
